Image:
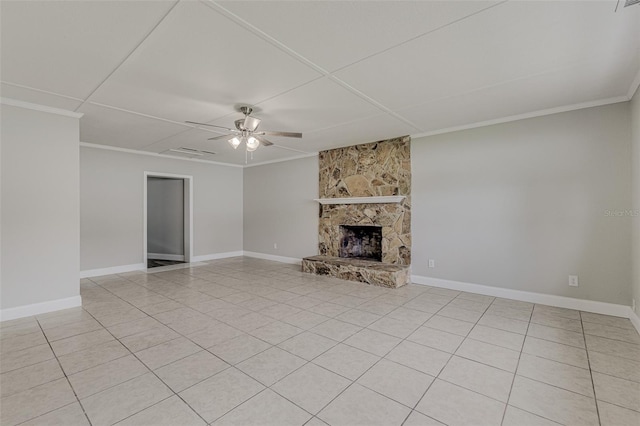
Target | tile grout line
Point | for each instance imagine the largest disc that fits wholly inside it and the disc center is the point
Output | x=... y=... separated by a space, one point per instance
x=328 y=301
x=293 y=278
x=437 y=377
x=383 y=357
x=230 y=366
x=445 y=366
x=593 y=384
x=174 y=361
x=65 y=375
x=515 y=372
x=353 y=381
x=138 y=412
x=182 y=335
x=242 y=372
x=152 y=372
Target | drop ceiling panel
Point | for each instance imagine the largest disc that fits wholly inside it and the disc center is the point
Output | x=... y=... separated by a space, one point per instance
x=504 y=43
x=551 y=90
x=437 y=64
x=316 y=105
x=69 y=47
x=197 y=65
x=37 y=97
x=370 y=129
x=334 y=34
x=107 y=126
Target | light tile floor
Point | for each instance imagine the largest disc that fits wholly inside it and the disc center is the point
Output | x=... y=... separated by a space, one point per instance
x=244 y=341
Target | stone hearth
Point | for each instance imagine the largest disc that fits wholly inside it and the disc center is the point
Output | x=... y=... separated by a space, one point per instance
x=366 y=271
x=373 y=170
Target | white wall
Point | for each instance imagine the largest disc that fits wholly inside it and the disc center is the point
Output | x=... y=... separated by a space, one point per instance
x=523 y=205
x=635 y=131
x=279 y=208
x=165 y=216
x=520 y=205
x=111 y=206
x=40 y=210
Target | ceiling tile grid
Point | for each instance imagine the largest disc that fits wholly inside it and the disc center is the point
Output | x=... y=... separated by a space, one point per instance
x=70 y=47
x=339 y=72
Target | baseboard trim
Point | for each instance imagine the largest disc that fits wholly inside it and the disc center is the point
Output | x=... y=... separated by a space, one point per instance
x=527 y=296
x=635 y=319
x=112 y=270
x=215 y=256
x=162 y=256
x=281 y=259
x=40 y=308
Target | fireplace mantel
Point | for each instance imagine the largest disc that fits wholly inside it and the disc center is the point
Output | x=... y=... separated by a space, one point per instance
x=391 y=199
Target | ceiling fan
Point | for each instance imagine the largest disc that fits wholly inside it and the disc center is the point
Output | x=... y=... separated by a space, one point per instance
x=246 y=132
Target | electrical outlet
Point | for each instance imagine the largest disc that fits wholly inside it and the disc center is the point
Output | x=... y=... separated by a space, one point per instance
x=275 y=246
x=432 y=263
x=573 y=280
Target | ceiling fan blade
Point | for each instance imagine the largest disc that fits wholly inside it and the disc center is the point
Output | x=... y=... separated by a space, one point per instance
x=221 y=137
x=210 y=125
x=285 y=134
x=263 y=141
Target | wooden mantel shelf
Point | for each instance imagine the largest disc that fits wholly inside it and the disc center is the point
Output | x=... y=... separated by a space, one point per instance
x=362 y=200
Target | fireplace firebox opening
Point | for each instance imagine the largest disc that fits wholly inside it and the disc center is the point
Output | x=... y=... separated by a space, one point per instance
x=361 y=242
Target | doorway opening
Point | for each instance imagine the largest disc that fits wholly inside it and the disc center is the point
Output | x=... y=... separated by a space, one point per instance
x=168 y=218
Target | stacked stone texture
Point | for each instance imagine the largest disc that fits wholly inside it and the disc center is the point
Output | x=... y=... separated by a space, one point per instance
x=374 y=169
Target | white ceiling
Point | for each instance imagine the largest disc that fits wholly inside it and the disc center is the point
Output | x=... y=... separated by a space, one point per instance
x=340 y=72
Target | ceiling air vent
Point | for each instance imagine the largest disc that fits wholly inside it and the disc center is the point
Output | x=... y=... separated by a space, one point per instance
x=189 y=152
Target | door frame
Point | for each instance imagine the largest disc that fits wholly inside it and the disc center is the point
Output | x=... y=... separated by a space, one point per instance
x=188 y=213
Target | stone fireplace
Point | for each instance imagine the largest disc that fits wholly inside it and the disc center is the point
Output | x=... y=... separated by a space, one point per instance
x=365 y=213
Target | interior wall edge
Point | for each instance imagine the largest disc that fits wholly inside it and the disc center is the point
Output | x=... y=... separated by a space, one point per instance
x=635 y=320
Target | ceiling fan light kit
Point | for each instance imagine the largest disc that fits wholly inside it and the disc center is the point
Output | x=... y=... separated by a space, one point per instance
x=235 y=142
x=252 y=144
x=246 y=132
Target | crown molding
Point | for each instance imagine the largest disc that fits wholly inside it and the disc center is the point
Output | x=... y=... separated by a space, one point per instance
x=534 y=114
x=47 y=92
x=41 y=108
x=282 y=160
x=153 y=154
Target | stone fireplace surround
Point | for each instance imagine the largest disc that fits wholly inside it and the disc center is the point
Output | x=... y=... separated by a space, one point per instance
x=366 y=185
